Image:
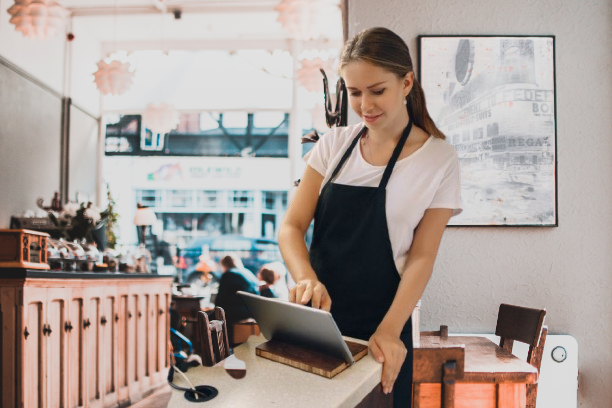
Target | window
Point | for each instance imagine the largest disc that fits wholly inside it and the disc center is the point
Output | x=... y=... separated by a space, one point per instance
x=148 y=198
x=209 y=121
x=465 y=136
x=274 y=200
x=284 y=199
x=118 y=144
x=478 y=134
x=241 y=199
x=235 y=120
x=456 y=138
x=268 y=119
x=207 y=199
x=180 y=198
x=492 y=130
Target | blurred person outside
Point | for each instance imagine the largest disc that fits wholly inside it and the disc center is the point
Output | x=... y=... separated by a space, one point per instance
x=234 y=277
x=281 y=284
x=267 y=278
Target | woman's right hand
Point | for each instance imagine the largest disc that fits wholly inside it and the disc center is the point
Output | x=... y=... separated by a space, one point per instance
x=311 y=290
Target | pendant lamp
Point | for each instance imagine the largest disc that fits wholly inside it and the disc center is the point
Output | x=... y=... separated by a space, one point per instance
x=309 y=76
x=309 y=19
x=114 y=78
x=161 y=118
x=40 y=19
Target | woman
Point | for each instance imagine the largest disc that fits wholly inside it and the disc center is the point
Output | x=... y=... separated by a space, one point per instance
x=235 y=277
x=266 y=282
x=381 y=194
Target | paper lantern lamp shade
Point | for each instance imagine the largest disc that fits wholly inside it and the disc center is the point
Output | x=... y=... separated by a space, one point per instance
x=145 y=216
x=40 y=19
x=114 y=78
x=309 y=19
x=161 y=118
x=310 y=77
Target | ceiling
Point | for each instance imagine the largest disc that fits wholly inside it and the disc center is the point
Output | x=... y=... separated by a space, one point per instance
x=203 y=24
x=102 y=7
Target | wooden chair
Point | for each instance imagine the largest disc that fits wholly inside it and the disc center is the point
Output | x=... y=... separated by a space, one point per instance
x=443 y=332
x=213 y=336
x=438 y=366
x=525 y=325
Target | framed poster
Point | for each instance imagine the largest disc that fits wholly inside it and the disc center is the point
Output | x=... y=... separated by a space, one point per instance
x=494 y=99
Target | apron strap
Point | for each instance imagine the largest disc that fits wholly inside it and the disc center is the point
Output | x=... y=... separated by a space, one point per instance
x=347 y=154
x=398 y=149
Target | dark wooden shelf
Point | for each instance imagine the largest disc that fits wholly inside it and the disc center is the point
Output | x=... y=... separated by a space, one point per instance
x=18 y=273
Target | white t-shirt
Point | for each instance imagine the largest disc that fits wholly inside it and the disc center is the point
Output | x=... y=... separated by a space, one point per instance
x=427 y=178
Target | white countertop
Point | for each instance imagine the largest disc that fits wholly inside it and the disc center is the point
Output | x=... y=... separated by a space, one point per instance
x=271 y=384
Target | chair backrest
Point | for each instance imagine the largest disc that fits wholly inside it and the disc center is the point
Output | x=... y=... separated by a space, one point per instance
x=525 y=325
x=521 y=324
x=212 y=331
x=439 y=365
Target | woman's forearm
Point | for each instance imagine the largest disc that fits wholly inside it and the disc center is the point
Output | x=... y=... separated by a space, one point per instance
x=411 y=287
x=295 y=253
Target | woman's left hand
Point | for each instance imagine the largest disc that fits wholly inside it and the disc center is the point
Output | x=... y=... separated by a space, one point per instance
x=389 y=350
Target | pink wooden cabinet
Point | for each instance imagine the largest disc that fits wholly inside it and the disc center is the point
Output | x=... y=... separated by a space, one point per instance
x=87 y=340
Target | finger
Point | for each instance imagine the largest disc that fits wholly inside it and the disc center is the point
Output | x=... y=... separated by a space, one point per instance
x=307 y=295
x=390 y=372
x=376 y=352
x=299 y=291
x=398 y=361
x=316 y=297
x=326 y=302
x=292 y=295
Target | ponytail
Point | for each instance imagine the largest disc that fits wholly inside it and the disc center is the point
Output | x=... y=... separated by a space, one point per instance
x=417 y=110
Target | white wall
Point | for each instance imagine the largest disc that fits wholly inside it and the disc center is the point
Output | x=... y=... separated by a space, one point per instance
x=567 y=269
x=85 y=54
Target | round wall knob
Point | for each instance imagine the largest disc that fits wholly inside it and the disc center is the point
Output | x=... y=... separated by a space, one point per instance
x=559 y=354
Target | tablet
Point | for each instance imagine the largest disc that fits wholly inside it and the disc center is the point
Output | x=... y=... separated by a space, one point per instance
x=297 y=324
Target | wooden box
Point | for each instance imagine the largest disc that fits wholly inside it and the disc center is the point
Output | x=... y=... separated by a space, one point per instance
x=23 y=249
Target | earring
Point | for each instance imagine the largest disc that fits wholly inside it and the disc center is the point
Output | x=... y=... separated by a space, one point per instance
x=405 y=101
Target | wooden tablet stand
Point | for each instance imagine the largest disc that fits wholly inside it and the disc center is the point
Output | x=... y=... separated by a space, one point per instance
x=309 y=360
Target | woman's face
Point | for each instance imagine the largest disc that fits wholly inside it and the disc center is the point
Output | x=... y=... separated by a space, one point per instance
x=376 y=94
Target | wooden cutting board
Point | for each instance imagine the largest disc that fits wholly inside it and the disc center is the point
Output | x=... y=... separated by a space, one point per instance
x=309 y=360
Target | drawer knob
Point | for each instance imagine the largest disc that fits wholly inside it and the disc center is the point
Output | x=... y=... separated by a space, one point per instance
x=68 y=326
x=86 y=323
x=26 y=333
x=103 y=320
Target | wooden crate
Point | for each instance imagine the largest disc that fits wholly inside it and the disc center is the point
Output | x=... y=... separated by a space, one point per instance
x=23 y=249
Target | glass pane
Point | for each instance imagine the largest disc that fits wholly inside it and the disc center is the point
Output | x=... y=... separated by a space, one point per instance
x=207 y=199
x=235 y=119
x=268 y=119
x=180 y=198
x=147 y=198
x=208 y=121
x=241 y=199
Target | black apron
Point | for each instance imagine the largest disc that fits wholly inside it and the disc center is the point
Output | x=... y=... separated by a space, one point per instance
x=352 y=256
